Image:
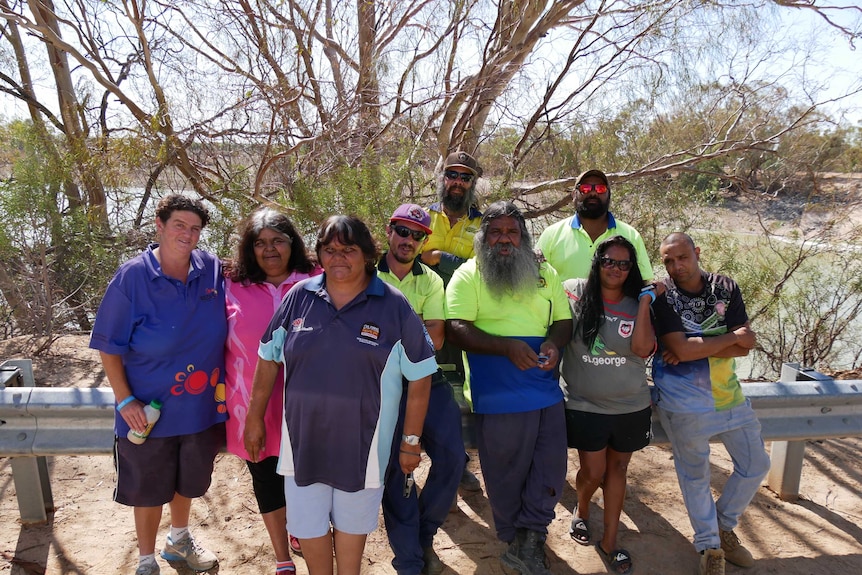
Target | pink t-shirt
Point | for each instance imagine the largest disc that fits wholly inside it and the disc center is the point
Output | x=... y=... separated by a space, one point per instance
x=249 y=310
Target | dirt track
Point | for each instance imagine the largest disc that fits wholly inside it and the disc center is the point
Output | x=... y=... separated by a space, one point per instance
x=89 y=534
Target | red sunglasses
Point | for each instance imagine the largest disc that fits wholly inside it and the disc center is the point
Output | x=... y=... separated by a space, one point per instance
x=587 y=188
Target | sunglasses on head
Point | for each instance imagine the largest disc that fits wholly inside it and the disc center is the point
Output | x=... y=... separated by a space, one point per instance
x=404 y=231
x=587 y=188
x=622 y=265
x=463 y=176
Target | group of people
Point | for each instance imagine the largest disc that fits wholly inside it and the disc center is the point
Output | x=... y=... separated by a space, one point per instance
x=323 y=369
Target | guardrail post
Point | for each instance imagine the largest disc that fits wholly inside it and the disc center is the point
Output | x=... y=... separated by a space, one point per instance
x=30 y=474
x=785 y=471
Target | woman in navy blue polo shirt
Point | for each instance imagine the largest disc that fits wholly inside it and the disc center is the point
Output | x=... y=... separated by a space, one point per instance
x=345 y=339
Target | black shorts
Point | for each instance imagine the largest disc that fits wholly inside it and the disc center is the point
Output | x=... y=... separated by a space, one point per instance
x=150 y=474
x=624 y=433
x=267 y=484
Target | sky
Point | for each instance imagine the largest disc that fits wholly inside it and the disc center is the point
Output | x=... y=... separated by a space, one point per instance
x=838 y=67
x=840 y=63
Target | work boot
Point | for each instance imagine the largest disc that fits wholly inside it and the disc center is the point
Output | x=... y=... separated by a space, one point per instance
x=530 y=558
x=711 y=562
x=469 y=481
x=733 y=549
x=510 y=556
x=433 y=565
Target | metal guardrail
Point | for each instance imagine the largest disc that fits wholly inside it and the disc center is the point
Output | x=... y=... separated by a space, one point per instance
x=800 y=410
x=38 y=422
x=56 y=421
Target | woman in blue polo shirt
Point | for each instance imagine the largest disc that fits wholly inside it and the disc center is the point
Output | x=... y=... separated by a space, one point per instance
x=160 y=331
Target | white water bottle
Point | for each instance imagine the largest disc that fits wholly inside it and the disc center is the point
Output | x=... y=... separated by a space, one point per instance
x=152 y=411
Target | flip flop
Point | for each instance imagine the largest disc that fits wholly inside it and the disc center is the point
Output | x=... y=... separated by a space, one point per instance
x=580 y=531
x=618 y=561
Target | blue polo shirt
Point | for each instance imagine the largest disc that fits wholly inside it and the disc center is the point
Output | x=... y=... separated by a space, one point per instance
x=171 y=337
x=343 y=370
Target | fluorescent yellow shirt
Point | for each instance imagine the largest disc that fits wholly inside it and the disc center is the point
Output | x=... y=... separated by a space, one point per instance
x=570 y=249
x=456 y=240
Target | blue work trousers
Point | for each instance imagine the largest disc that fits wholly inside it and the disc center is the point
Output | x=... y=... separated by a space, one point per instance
x=523 y=457
x=412 y=522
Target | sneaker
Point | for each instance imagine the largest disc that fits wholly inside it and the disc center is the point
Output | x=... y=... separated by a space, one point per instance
x=294 y=544
x=433 y=565
x=188 y=550
x=148 y=568
x=469 y=482
x=712 y=562
x=734 y=550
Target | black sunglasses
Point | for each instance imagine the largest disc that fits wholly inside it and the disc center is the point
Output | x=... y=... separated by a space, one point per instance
x=622 y=265
x=463 y=176
x=404 y=231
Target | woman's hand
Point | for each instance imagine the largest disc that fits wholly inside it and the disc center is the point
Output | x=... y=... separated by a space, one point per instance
x=409 y=457
x=254 y=437
x=134 y=416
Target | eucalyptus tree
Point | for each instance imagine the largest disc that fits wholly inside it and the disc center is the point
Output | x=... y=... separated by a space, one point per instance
x=291 y=101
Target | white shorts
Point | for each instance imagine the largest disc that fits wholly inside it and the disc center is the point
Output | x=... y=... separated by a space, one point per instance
x=312 y=509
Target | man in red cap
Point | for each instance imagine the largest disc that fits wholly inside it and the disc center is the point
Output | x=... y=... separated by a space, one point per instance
x=569 y=244
x=411 y=521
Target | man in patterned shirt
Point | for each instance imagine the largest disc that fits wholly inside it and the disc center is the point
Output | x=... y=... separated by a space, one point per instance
x=702 y=325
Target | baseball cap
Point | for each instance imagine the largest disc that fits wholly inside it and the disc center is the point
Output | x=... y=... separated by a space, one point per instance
x=597 y=173
x=463 y=160
x=414 y=214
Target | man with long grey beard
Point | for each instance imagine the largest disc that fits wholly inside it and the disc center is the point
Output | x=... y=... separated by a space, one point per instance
x=508 y=312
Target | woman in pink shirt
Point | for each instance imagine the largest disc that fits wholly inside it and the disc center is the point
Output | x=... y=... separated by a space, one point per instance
x=271 y=258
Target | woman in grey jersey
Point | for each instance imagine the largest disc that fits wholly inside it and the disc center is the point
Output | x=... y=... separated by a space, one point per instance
x=607 y=398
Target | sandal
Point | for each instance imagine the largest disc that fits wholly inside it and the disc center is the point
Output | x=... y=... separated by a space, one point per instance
x=580 y=531
x=618 y=561
x=294 y=544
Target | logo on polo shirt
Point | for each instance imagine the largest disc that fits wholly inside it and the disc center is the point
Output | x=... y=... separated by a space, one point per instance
x=299 y=325
x=369 y=334
x=209 y=294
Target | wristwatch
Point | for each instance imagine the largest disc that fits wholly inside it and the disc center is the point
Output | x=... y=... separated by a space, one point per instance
x=410 y=439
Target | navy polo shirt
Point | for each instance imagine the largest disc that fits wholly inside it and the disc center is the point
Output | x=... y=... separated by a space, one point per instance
x=343 y=370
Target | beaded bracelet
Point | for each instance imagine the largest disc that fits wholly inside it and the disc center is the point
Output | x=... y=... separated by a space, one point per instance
x=125 y=402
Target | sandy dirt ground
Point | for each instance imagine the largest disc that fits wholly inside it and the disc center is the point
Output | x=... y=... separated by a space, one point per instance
x=87 y=533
